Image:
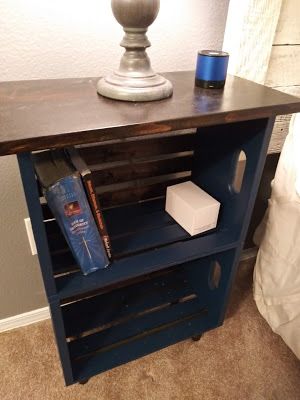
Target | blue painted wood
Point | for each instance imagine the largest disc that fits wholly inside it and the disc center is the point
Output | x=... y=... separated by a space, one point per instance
x=132 y=213
x=102 y=309
x=160 y=230
x=214 y=168
x=129 y=331
x=122 y=339
x=144 y=240
x=150 y=261
x=56 y=240
x=142 y=226
x=153 y=217
x=151 y=227
x=35 y=213
x=128 y=244
x=259 y=149
x=200 y=274
x=60 y=336
x=137 y=217
x=181 y=329
x=138 y=228
x=63 y=261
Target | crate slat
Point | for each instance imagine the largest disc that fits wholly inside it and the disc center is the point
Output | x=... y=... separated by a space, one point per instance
x=96 y=311
x=136 y=149
x=182 y=327
x=117 y=197
x=140 y=264
x=132 y=243
x=115 y=336
x=130 y=171
x=136 y=217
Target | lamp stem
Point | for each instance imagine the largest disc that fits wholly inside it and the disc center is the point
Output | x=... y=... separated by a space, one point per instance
x=135 y=80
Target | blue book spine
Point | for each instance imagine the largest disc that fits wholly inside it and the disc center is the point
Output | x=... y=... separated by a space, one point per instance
x=68 y=203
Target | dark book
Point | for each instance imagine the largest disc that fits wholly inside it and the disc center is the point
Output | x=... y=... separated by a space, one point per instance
x=66 y=197
x=50 y=168
x=86 y=175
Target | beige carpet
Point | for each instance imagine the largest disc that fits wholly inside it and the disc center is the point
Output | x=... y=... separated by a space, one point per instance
x=241 y=360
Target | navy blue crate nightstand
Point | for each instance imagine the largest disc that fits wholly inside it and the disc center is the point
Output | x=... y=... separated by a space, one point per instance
x=163 y=285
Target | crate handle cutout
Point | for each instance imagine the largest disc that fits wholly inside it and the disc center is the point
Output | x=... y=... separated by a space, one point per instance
x=215 y=275
x=239 y=172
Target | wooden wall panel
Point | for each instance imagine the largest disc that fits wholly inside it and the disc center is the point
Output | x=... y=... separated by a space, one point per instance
x=249 y=34
x=288 y=28
x=280 y=131
x=284 y=66
x=257 y=32
x=282 y=123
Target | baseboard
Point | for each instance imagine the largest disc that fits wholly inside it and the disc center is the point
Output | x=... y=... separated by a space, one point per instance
x=17 y=321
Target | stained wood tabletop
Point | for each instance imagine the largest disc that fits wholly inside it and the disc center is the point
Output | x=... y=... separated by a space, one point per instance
x=41 y=114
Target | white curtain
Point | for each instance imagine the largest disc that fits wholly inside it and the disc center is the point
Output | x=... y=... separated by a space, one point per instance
x=277 y=269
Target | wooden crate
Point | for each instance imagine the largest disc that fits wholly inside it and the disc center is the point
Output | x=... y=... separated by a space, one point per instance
x=163 y=286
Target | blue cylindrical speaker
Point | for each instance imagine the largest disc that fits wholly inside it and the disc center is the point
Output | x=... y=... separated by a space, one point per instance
x=211 y=69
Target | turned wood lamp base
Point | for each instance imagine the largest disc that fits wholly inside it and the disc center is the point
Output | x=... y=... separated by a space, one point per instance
x=135 y=80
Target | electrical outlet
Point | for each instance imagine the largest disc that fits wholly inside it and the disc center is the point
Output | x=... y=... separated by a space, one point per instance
x=30 y=236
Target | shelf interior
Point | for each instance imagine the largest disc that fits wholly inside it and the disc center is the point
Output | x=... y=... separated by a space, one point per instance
x=131 y=178
x=154 y=241
x=109 y=329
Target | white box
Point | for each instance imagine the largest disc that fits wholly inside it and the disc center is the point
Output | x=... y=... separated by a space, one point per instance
x=194 y=209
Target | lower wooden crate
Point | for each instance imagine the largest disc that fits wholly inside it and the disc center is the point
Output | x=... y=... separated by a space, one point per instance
x=109 y=329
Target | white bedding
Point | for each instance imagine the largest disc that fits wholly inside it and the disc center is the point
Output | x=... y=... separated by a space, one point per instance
x=277 y=269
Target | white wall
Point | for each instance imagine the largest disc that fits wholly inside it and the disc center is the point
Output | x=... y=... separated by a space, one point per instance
x=67 y=38
x=64 y=38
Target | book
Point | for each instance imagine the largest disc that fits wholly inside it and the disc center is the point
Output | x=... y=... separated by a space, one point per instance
x=86 y=175
x=65 y=195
